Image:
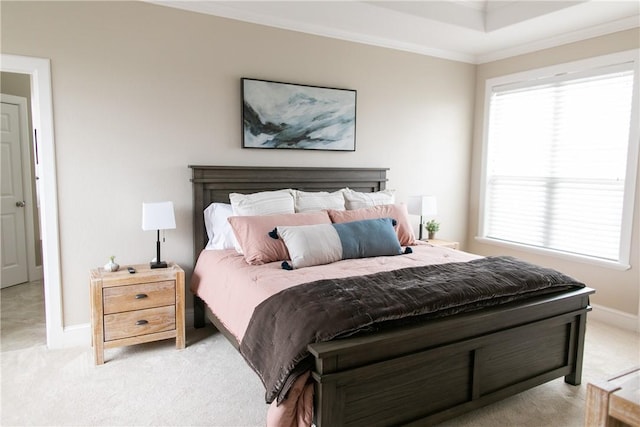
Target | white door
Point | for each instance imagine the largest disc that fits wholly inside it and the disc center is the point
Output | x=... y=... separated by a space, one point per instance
x=13 y=249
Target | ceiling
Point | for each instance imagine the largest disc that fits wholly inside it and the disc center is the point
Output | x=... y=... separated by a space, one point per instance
x=474 y=31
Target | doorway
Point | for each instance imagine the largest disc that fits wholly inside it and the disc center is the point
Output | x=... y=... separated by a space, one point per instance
x=21 y=248
x=39 y=71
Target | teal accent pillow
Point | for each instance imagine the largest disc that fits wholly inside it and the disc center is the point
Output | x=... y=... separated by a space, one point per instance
x=368 y=238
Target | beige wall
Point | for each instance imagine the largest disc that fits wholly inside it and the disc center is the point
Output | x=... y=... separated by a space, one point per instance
x=615 y=289
x=141 y=91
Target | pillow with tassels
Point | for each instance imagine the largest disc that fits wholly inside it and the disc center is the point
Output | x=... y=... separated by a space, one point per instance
x=319 y=244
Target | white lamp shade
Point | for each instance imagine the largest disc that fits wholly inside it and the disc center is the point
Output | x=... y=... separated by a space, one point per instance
x=158 y=216
x=423 y=205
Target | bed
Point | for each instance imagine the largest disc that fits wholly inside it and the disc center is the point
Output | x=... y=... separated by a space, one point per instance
x=424 y=372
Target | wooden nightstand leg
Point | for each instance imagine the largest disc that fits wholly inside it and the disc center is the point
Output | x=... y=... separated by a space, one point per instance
x=97 y=326
x=180 y=340
x=180 y=334
x=98 y=353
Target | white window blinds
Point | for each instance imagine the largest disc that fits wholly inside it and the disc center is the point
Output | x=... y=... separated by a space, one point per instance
x=556 y=161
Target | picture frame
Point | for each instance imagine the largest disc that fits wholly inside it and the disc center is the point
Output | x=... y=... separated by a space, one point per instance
x=277 y=115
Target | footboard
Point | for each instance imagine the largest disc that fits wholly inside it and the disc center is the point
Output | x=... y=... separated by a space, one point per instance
x=431 y=372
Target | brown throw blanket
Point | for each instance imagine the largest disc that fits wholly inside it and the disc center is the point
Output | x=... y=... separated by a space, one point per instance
x=275 y=343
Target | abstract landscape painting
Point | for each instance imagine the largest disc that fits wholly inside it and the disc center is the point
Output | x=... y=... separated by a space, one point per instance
x=285 y=115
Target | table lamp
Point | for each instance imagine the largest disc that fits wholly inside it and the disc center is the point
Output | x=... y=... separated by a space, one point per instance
x=158 y=216
x=423 y=206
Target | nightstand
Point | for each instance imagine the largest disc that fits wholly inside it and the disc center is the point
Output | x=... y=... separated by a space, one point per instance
x=443 y=243
x=128 y=309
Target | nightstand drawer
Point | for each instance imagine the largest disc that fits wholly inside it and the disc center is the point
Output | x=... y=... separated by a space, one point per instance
x=137 y=297
x=140 y=322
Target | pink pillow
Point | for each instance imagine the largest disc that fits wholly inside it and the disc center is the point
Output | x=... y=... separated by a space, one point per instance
x=252 y=233
x=397 y=212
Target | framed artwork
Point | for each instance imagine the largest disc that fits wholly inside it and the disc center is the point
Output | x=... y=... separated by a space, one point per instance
x=286 y=115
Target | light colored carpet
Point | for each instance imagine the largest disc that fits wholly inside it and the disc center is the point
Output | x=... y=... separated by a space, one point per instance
x=209 y=384
x=206 y=384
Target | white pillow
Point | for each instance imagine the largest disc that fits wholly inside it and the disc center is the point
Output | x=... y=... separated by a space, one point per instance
x=306 y=201
x=218 y=228
x=263 y=203
x=358 y=200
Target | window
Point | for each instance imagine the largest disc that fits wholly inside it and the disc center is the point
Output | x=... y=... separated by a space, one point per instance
x=561 y=150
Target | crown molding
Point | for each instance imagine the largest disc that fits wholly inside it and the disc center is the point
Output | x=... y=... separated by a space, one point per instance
x=229 y=11
x=570 y=37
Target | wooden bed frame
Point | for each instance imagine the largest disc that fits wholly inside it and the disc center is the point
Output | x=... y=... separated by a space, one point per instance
x=429 y=372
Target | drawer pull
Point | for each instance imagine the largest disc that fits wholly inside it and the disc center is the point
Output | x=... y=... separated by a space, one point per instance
x=141 y=296
x=142 y=322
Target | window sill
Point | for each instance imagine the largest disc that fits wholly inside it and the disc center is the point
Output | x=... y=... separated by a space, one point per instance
x=614 y=265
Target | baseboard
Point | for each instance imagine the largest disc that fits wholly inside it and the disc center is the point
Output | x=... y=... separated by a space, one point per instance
x=615 y=318
x=71 y=336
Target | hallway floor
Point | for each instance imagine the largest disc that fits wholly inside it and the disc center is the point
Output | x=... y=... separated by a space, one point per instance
x=22 y=317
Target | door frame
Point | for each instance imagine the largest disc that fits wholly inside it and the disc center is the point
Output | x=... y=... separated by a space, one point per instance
x=33 y=272
x=42 y=118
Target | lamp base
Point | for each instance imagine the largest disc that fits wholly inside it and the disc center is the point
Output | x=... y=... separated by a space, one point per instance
x=160 y=264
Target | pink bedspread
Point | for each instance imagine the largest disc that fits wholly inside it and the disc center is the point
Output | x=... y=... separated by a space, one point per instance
x=231 y=288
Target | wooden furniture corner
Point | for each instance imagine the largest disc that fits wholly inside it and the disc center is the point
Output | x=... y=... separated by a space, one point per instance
x=615 y=402
x=128 y=309
x=444 y=243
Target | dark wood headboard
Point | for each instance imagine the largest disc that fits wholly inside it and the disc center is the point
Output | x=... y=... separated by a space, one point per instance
x=214 y=183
